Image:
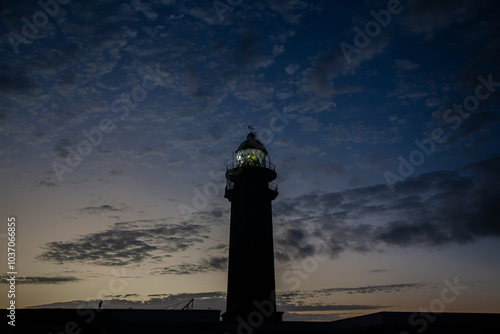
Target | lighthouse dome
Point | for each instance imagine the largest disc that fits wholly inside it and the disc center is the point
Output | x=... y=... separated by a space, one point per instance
x=252 y=143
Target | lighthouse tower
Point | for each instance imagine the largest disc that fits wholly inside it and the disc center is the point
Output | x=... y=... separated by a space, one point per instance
x=251 y=282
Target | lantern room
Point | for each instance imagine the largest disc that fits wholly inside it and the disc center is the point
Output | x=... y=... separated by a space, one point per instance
x=251 y=152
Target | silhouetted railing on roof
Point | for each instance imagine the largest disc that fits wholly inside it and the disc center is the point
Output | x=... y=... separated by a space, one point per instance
x=183 y=305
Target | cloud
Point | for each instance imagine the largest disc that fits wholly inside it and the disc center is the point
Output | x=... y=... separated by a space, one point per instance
x=331 y=307
x=429 y=16
x=60 y=150
x=334 y=135
x=319 y=82
x=404 y=64
x=322 y=312
x=296 y=303
x=128 y=295
x=220 y=247
x=41 y=279
x=145 y=9
x=19 y=85
x=278 y=49
x=330 y=168
x=100 y=209
x=389 y=288
x=377 y=271
x=206 y=13
x=373 y=161
x=125 y=243
x=297 y=297
x=212 y=263
x=476 y=130
x=115 y=172
x=48 y=184
x=291 y=68
x=328 y=65
x=288 y=8
x=433 y=209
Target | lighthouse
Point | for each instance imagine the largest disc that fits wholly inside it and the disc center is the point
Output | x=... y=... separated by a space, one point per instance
x=251 y=280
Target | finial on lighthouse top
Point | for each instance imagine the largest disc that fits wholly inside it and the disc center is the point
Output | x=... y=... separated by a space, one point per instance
x=252 y=141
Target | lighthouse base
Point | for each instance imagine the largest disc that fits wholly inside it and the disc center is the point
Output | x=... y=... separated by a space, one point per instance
x=257 y=316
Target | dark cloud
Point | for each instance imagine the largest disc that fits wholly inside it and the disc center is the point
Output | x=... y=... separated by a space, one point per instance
x=429 y=16
x=19 y=85
x=41 y=279
x=389 y=288
x=125 y=243
x=47 y=184
x=322 y=312
x=100 y=209
x=298 y=296
x=220 y=247
x=217 y=263
x=331 y=307
x=295 y=244
x=355 y=133
x=289 y=9
x=129 y=295
x=478 y=125
x=373 y=161
x=331 y=169
x=433 y=209
x=207 y=13
x=212 y=263
x=404 y=64
x=330 y=64
x=60 y=150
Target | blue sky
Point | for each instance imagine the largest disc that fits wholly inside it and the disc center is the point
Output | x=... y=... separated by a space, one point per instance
x=381 y=117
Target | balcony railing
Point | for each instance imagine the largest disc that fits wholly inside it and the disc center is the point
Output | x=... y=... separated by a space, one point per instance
x=235 y=164
x=271 y=185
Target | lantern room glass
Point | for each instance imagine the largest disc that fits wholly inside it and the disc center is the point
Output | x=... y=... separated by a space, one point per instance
x=250 y=157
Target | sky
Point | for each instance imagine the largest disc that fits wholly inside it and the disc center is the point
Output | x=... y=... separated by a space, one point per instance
x=381 y=117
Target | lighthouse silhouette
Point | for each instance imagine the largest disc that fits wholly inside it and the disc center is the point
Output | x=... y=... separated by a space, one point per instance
x=249 y=188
